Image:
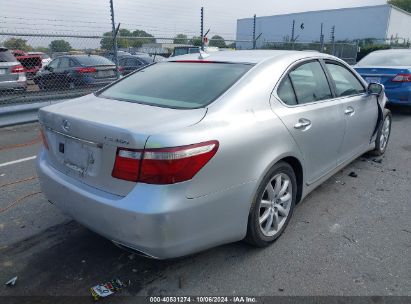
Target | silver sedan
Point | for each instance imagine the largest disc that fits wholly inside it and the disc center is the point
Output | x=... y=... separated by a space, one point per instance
x=207 y=149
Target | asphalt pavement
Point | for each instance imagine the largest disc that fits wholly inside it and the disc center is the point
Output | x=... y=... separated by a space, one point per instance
x=351 y=237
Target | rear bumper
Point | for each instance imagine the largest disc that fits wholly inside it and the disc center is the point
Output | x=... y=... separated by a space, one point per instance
x=19 y=84
x=155 y=220
x=399 y=96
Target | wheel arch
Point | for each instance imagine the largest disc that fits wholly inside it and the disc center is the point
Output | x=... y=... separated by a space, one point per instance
x=299 y=174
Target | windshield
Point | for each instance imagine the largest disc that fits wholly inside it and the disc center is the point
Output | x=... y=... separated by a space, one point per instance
x=93 y=60
x=386 y=59
x=177 y=84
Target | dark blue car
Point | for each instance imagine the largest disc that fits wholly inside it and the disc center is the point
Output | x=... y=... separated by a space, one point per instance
x=392 y=68
x=71 y=71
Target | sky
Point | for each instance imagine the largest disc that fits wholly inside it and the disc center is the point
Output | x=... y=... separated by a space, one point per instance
x=161 y=18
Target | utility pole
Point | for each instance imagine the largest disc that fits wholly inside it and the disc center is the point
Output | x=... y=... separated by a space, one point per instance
x=254 y=25
x=333 y=39
x=293 y=33
x=114 y=33
x=322 y=38
x=202 y=28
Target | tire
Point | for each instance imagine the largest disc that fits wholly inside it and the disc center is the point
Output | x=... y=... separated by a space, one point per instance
x=383 y=135
x=265 y=201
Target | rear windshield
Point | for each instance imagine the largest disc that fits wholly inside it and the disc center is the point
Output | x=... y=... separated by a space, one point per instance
x=6 y=56
x=386 y=59
x=177 y=84
x=93 y=60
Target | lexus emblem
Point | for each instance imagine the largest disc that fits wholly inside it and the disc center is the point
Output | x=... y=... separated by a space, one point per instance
x=66 y=125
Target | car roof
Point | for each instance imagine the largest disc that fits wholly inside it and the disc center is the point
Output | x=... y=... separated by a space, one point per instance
x=252 y=56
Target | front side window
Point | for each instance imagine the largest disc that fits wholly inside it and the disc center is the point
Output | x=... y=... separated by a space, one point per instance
x=310 y=83
x=54 y=64
x=345 y=82
x=185 y=85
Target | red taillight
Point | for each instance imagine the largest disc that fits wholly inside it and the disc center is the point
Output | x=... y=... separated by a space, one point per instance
x=402 y=78
x=86 y=70
x=17 y=69
x=127 y=164
x=174 y=165
x=121 y=69
x=164 y=165
x=44 y=139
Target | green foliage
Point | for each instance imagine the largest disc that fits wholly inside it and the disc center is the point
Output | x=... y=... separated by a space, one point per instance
x=41 y=49
x=17 y=44
x=196 y=41
x=403 y=4
x=365 y=50
x=107 y=42
x=60 y=46
x=217 y=41
x=180 y=39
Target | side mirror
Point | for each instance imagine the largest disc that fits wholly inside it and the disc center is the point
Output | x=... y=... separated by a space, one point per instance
x=375 y=89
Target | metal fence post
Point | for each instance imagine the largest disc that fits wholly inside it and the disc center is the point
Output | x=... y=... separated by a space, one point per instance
x=293 y=34
x=202 y=28
x=322 y=39
x=333 y=40
x=114 y=33
x=254 y=26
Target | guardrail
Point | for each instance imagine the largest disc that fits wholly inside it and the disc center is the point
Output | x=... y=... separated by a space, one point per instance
x=22 y=113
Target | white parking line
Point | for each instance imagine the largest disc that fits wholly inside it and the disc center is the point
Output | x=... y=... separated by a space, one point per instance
x=18 y=161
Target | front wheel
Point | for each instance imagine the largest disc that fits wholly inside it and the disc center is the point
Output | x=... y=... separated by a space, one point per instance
x=273 y=205
x=383 y=134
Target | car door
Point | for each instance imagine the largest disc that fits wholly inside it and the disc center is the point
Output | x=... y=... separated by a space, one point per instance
x=312 y=116
x=360 y=109
x=48 y=74
x=62 y=73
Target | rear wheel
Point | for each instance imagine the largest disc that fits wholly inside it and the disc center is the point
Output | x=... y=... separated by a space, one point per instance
x=383 y=134
x=273 y=206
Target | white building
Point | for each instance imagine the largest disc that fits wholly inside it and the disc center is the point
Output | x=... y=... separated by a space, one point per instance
x=379 y=22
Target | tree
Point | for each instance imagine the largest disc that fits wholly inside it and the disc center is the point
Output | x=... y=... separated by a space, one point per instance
x=217 y=41
x=17 y=44
x=124 y=42
x=60 y=46
x=196 y=41
x=180 y=39
x=41 y=49
x=403 y=4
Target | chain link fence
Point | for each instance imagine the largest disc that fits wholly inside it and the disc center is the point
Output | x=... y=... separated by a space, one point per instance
x=55 y=66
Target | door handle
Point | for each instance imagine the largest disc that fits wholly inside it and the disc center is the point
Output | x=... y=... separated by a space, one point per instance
x=349 y=111
x=303 y=124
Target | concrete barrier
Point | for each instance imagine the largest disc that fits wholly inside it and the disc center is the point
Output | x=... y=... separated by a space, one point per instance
x=21 y=113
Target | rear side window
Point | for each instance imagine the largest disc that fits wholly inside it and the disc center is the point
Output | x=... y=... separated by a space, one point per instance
x=345 y=82
x=183 y=85
x=310 y=83
x=6 y=56
x=286 y=92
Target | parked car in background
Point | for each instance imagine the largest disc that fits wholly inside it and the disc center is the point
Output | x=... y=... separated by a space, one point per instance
x=192 y=153
x=45 y=59
x=12 y=75
x=31 y=63
x=76 y=70
x=110 y=55
x=184 y=50
x=130 y=63
x=392 y=68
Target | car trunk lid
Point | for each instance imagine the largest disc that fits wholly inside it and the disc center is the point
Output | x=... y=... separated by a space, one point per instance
x=83 y=135
x=383 y=75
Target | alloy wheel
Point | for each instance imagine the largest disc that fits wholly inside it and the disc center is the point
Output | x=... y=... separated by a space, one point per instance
x=275 y=204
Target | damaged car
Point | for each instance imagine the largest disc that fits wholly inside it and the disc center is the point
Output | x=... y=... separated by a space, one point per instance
x=206 y=149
